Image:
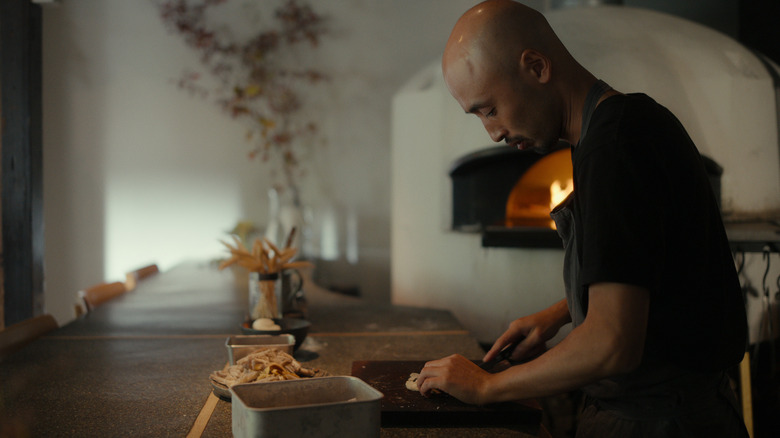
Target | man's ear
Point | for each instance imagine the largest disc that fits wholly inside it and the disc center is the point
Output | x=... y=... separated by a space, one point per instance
x=536 y=64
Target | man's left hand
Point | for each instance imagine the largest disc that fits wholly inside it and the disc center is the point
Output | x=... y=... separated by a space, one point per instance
x=457 y=376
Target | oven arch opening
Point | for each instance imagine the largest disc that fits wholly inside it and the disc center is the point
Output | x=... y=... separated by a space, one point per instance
x=507 y=195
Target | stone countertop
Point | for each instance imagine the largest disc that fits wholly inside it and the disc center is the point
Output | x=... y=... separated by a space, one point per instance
x=107 y=386
x=143 y=360
x=198 y=300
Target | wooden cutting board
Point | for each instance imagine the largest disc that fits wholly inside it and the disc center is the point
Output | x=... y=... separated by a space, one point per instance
x=401 y=406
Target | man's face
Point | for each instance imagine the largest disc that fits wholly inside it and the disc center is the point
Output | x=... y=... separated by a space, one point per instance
x=511 y=107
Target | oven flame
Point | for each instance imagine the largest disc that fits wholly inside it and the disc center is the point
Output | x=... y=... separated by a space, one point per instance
x=559 y=190
x=539 y=190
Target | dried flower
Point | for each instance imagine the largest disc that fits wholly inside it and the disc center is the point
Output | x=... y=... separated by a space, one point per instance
x=265 y=257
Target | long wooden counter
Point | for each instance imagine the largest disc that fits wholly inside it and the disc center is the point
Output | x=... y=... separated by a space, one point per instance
x=139 y=365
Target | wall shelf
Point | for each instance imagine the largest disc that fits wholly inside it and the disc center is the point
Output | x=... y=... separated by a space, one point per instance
x=754 y=236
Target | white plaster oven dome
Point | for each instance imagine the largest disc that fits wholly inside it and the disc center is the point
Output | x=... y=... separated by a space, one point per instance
x=721 y=91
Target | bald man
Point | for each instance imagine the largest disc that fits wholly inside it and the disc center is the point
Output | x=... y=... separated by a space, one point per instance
x=651 y=288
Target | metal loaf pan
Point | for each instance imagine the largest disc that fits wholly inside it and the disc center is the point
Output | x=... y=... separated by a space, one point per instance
x=241 y=345
x=340 y=406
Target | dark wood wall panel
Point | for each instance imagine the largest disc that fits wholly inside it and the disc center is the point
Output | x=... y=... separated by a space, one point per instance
x=20 y=115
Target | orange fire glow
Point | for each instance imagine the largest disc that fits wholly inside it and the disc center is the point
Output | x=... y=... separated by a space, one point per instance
x=543 y=186
x=559 y=190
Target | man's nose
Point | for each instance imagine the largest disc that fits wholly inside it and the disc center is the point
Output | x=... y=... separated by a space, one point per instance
x=496 y=132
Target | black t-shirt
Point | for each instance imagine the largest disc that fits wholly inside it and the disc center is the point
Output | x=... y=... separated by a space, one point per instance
x=647 y=216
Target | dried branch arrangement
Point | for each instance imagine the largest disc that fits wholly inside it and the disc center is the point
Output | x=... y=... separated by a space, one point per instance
x=264 y=258
x=258 y=82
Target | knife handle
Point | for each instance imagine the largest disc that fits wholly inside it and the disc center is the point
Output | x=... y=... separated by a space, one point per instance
x=506 y=352
x=502 y=355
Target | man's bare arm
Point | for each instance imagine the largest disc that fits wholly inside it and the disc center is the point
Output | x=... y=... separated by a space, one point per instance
x=610 y=341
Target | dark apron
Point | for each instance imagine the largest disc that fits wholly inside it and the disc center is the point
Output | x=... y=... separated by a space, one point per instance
x=658 y=399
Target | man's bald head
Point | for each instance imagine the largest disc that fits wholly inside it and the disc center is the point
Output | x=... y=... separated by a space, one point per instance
x=504 y=64
x=496 y=32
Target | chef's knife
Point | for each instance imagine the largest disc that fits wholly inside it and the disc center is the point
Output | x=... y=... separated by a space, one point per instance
x=502 y=355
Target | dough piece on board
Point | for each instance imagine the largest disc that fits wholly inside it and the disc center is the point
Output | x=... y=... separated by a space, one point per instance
x=411 y=383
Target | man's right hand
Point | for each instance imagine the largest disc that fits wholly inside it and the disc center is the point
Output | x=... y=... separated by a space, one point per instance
x=537 y=329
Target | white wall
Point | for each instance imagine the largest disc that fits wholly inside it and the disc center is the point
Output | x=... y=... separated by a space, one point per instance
x=136 y=171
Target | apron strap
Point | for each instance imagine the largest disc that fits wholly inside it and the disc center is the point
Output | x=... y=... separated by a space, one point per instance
x=591 y=100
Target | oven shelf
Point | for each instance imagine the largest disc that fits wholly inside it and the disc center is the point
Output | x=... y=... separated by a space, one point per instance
x=521 y=237
x=754 y=236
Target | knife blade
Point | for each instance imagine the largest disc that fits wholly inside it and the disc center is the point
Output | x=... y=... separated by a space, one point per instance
x=502 y=355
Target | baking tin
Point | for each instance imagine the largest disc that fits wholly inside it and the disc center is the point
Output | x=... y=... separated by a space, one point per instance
x=241 y=345
x=339 y=406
